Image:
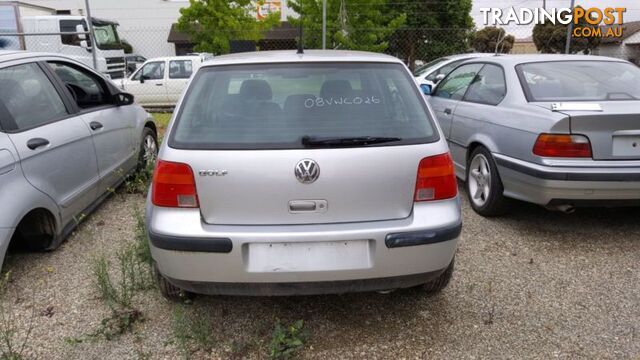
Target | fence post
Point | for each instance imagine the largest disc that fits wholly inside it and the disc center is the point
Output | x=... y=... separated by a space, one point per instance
x=324 y=24
x=92 y=35
x=569 y=31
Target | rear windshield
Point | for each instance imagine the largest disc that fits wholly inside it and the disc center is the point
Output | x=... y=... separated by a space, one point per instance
x=580 y=81
x=278 y=106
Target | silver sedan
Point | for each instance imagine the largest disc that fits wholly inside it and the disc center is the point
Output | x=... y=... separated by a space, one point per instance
x=556 y=130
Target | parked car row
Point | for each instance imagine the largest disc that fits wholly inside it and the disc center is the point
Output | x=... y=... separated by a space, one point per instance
x=314 y=172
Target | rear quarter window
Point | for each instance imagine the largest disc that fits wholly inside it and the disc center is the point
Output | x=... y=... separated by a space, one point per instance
x=275 y=106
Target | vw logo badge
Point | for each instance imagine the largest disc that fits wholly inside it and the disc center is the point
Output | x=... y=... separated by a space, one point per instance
x=307 y=171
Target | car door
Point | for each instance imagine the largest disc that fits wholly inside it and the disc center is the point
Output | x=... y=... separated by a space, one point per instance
x=478 y=110
x=112 y=127
x=178 y=77
x=148 y=84
x=54 y=144
x=449 y=93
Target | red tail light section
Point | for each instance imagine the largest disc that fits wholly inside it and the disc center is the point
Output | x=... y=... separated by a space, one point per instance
x=556 y=145
x=436 y=179
x=174 y=185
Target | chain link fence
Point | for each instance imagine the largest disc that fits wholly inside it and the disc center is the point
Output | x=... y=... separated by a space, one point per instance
x=414 y=45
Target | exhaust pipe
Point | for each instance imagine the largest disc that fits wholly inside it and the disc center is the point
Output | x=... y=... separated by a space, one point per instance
x=567 y=209
x=385 y=292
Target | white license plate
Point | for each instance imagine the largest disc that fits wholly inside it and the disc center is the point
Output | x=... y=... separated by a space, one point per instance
x=626 y=145
x=309 y=256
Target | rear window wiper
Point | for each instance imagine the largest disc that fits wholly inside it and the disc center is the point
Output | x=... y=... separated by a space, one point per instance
x=311 y=142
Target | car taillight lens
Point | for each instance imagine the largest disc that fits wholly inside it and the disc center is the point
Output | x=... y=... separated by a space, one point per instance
x=436 y=179
x=555 y=145
x=174 y=185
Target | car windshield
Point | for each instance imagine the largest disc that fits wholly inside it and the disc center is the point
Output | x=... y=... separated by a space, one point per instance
x=107 y=37
x=292 y=106
x=580 y=81
x=428 y=66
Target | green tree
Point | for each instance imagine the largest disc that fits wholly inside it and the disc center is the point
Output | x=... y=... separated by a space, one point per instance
x=551 y=39
x=485 y=40
x=361 y=25
x=433 y=29
x=213 y=23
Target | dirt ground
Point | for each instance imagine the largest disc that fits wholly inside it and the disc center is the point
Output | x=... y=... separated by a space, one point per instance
x=533 y=284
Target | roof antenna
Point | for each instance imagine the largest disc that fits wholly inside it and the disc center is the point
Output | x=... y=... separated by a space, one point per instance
x=301 y=41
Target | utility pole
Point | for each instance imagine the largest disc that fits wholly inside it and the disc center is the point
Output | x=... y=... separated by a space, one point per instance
x=544 y=4
x=92 y=36
x=324 y=24
x=569 y=30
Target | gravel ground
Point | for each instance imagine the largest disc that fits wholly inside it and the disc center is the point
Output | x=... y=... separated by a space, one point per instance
x=534 y=284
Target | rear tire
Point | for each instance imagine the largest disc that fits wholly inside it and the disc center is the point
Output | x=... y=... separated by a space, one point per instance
x=170 y=291
x=438 y=284
x=483 y=184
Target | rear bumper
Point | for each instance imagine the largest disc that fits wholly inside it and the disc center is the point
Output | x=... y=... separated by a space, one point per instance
x=216 y=259
x=305 y=288
x=557 y=185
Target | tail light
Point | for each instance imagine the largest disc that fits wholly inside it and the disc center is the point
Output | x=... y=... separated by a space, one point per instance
x=174 y=185
x=436 y=179
x=555 y=145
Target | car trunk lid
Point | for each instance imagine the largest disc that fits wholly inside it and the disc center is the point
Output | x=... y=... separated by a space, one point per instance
x=614 y=132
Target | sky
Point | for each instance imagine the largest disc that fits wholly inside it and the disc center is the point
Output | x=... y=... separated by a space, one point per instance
x=632 y=14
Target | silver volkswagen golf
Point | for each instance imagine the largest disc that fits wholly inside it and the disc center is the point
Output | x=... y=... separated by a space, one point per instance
x=298 y=174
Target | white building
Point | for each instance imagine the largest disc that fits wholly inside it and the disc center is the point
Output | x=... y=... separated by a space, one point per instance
x=626 y=47
x=145 y=24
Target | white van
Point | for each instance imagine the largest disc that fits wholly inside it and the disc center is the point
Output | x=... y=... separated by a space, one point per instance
x=161 y=81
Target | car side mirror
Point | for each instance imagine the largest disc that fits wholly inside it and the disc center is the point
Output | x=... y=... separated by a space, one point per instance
x=123 y=99
x=84 y=44
x=440 y=77
x=426 y=89
x=142 y=77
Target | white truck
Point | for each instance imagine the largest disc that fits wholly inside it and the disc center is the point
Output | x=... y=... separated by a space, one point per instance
x=21 y=18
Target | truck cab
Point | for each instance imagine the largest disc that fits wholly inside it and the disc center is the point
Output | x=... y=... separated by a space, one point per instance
x=109 y=50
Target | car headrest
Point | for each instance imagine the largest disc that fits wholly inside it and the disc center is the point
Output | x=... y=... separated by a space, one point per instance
x=547 y=89
x=336 y=88
x=31 y=88
x=296 y=102
x=255 y=90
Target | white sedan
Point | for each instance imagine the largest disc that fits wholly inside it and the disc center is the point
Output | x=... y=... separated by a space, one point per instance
x=161 y=81
x=432 y=72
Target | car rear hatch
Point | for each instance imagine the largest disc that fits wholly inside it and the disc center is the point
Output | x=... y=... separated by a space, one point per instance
x=310 y=143
x=261 y=187
x=614 y=132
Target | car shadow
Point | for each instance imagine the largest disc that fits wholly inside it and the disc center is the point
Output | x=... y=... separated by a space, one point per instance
x=334 y=321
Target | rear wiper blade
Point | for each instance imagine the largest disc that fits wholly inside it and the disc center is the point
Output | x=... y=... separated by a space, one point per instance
x=308 y=141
